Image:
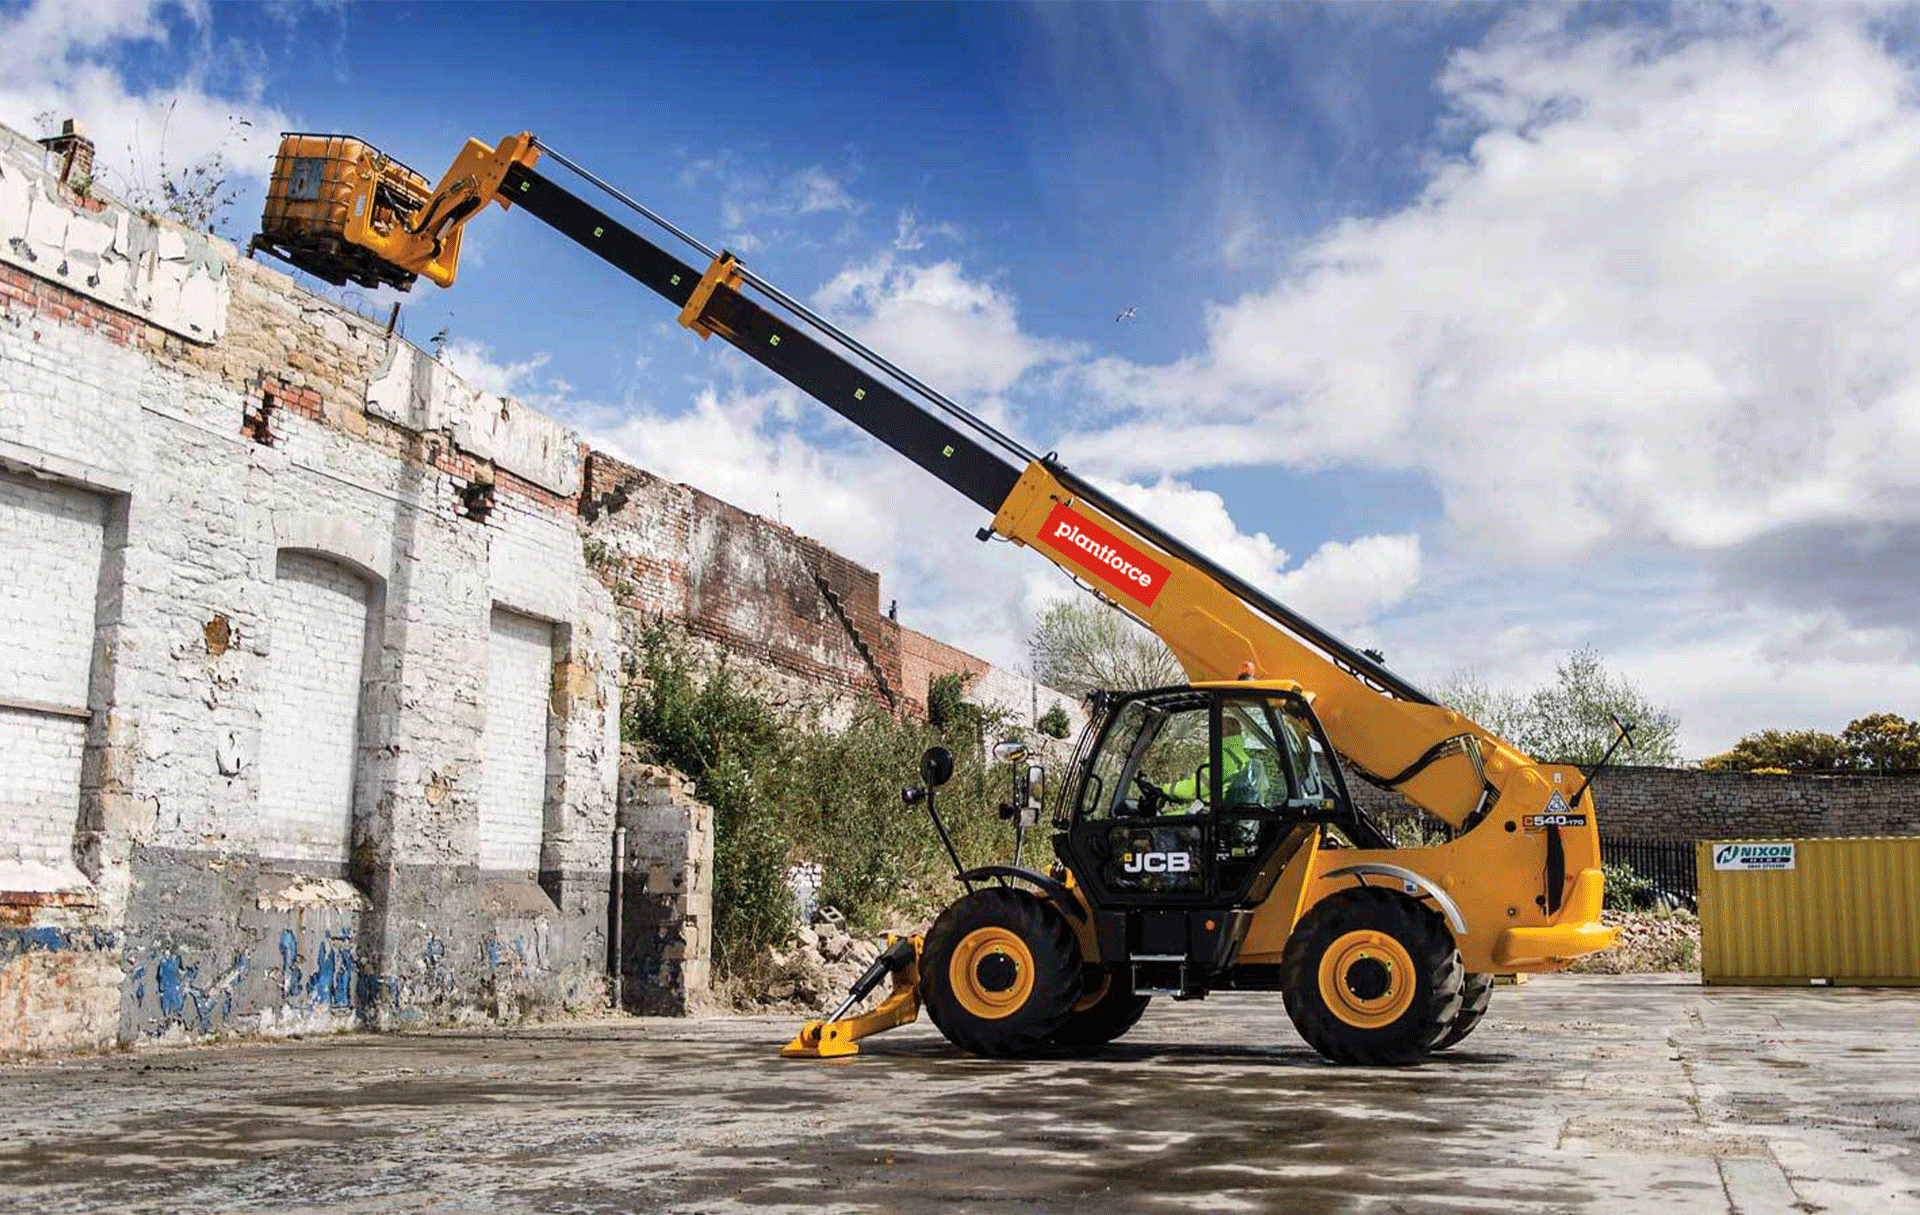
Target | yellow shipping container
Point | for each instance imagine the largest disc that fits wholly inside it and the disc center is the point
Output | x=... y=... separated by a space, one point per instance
x=1841 y=911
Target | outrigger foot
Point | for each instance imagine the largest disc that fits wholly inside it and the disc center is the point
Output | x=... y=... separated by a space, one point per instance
x=833 y=1037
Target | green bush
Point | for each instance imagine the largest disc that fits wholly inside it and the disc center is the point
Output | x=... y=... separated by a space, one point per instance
x=1055 y=723
x=1626 y=889
x=784 y=790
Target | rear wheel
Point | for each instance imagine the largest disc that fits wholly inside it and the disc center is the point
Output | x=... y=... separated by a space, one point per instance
x=1372 y=977
x=1475 y=996
x=1000 y=972
x=1102 y=1014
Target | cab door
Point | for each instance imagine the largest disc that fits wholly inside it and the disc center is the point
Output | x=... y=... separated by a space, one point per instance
x=1141 y=833
x=1187 y=798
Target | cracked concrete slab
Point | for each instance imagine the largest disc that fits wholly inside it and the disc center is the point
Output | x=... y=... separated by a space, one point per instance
x=1587 y=1093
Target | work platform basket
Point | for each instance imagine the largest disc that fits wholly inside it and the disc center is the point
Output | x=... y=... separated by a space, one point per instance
x=317 y=182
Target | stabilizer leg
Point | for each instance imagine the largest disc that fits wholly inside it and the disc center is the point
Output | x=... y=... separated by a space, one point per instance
x=834 y=1038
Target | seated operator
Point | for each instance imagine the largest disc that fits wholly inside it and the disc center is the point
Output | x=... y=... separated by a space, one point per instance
x=1188 y=796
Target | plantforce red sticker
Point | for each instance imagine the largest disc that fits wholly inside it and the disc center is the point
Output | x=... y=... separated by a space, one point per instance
x=1104 y=555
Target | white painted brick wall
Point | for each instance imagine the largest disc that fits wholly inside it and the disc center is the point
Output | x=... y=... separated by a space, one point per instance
x=51 y=537
x=513 y=748
x=49 y=582
x=310 y=738
x=39 y=789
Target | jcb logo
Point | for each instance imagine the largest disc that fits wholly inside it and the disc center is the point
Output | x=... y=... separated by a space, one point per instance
x=1158 y=862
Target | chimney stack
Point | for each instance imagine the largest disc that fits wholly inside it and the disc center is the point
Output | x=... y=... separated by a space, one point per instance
x=75 y=151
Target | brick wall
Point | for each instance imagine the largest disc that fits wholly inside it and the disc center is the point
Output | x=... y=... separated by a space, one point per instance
x=47 y=592
x=315 y=673
x=513 y=773
x=924 y=659
x=804 y=619
x=245 y=856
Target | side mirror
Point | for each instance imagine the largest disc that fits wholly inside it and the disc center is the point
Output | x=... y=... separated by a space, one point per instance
x=936 y=766
x=1010 y=752
x=1033 y=792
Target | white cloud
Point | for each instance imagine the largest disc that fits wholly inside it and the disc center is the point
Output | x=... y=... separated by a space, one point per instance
x=476 y=363
x=1667 y=294
x=1347 y=583
x=58 y=58
x=955 y=332
x=911 y=233
x=754 y=203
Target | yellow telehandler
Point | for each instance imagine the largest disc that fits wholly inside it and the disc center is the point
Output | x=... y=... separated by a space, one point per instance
x=1204 y=836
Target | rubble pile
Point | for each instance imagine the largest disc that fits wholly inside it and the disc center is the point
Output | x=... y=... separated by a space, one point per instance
x=812 y=971
x=1651 y=942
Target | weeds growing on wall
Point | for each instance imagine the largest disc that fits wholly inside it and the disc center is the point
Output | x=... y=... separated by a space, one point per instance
x=786 y=789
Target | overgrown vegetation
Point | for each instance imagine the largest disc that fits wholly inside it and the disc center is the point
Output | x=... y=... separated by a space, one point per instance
x=785 y=789
x=1627 y=890
x=1878 y=742
x=199 y=194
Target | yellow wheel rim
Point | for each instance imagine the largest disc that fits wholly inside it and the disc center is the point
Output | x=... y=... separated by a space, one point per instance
x=1367 y=979
x=991 y=973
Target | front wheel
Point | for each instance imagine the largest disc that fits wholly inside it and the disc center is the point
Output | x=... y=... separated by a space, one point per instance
x=1000 y=972
x=1372 y=977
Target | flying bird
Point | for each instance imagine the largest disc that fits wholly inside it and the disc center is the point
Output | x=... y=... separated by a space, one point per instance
x=1125 y=316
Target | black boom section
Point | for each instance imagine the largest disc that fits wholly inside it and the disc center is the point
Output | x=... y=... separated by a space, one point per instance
x=947 y=452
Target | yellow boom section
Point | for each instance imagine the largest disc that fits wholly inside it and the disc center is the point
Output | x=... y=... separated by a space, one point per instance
x=1215 y=635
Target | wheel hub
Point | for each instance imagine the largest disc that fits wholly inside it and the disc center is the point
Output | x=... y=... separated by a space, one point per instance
x=991 y=972
x=997 y=972
x=1367 y=979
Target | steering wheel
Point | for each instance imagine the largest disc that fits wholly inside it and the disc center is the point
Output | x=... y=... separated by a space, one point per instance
x=1152 y=796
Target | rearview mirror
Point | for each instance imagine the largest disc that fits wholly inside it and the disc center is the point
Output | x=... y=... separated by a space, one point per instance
x=936 y=766
x=1010 y=752
x=1033 y=792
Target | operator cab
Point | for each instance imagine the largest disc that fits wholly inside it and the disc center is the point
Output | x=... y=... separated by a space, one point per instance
x=1187 y=795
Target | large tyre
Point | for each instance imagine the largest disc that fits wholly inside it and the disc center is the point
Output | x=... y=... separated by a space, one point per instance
x=1000 y=973
x=1474 y=998
x=1100 y=1016
x=1372 y=977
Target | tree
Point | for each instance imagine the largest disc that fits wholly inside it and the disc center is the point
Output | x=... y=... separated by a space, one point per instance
x=1781 y=751
x=1882 y=741
x=1569 y=720
x=1055 y=723
x=1081 y=644
x=947 y=705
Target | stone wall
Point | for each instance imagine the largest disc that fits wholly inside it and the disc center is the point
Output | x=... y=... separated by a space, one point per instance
x=1683 y=804
x=667 y=892
x=1680 y=804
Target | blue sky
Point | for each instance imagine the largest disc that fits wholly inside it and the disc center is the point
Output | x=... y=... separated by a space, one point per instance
x=1479 y=332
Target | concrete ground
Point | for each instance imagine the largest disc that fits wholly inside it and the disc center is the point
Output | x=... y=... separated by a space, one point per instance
x=1582 y=1093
